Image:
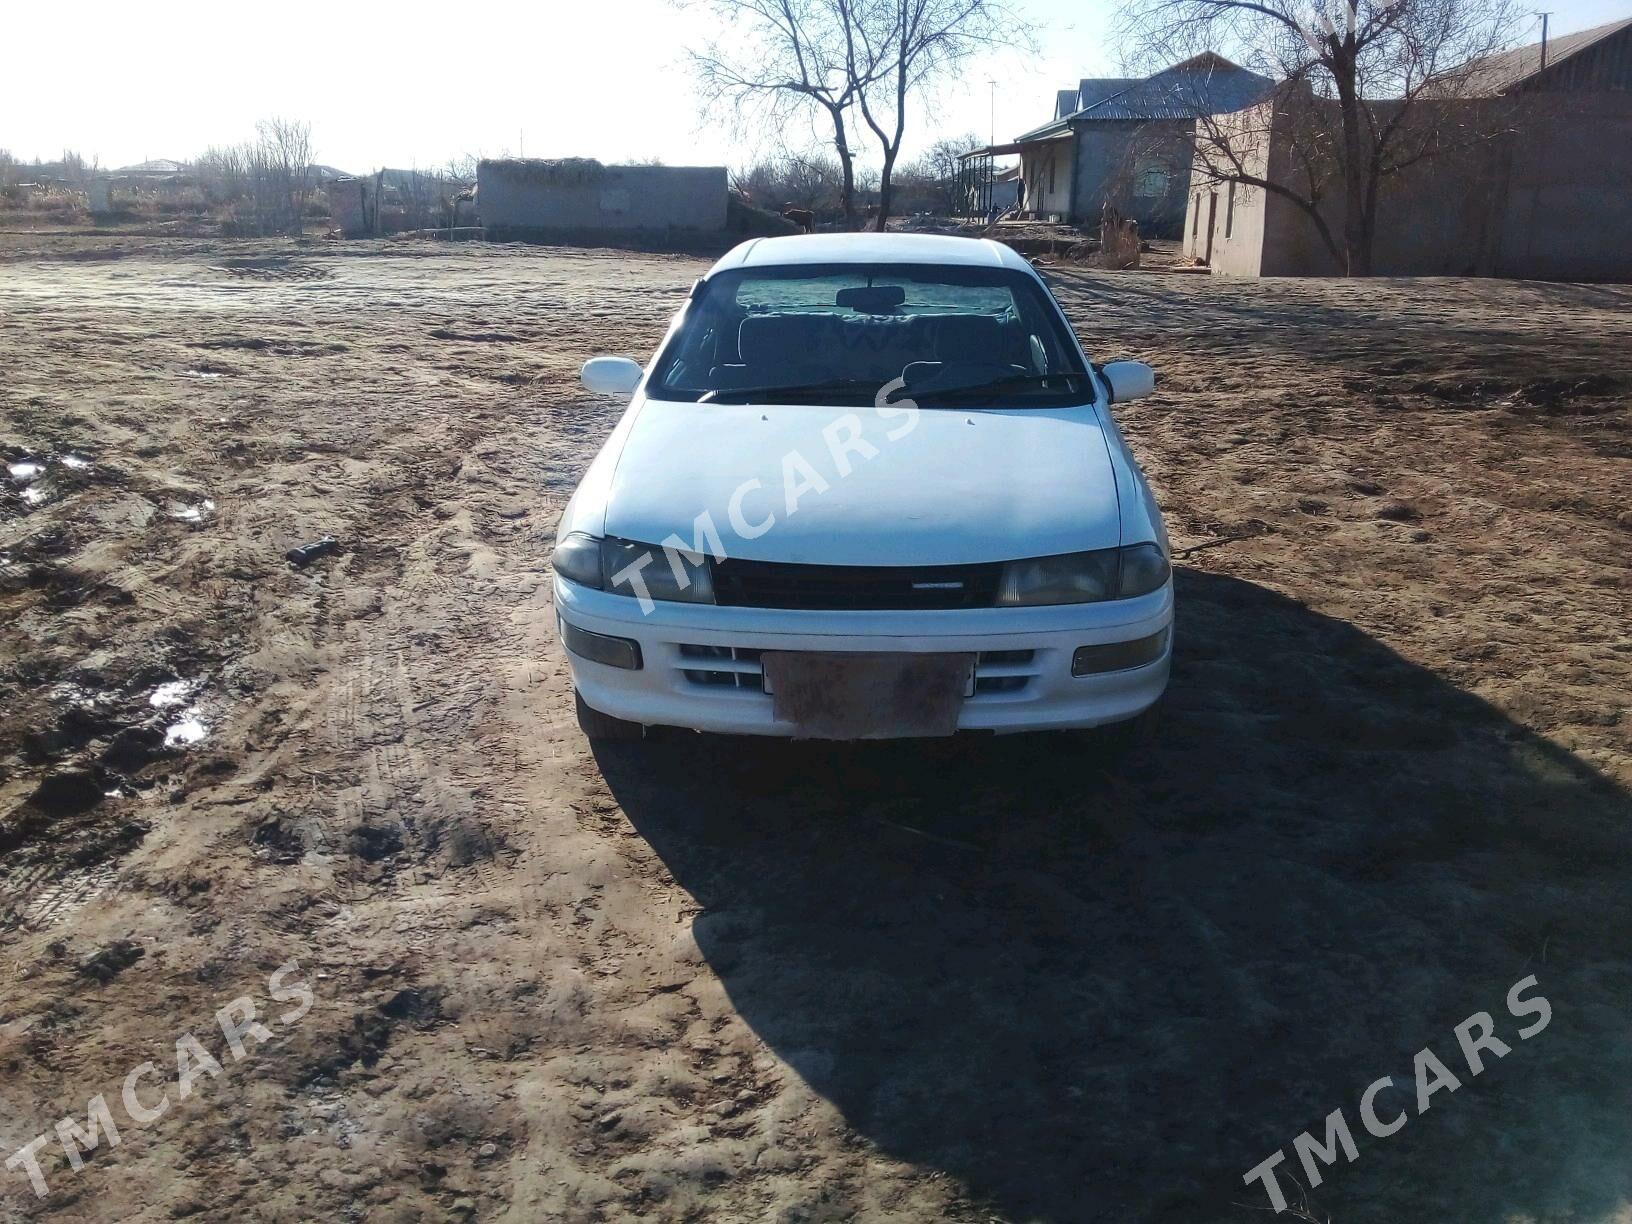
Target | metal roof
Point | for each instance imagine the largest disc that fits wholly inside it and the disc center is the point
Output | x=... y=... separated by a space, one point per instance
x=1049 y=131
x=1206 y=84
x=1091 y=90
x=156 y=165
x=1496 y=74
x=1088 y=91
x=1002 y=150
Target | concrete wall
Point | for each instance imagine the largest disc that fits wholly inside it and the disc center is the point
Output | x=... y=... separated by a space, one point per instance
x=1551 y=200
x=1047 y=168
x=1568 y=195
x=351 y=206
x=1292 y=245
x=1240 y=215
x=586 y=197
x=1226 y=227
x=1118 y=161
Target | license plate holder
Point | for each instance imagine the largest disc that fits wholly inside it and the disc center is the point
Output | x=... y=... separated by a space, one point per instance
x=867 y=694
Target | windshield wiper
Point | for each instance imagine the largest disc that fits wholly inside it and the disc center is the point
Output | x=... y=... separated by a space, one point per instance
x=1013 y=382
x=726 y=395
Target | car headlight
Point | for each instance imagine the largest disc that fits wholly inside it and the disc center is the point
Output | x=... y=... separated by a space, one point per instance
x=578 y=558
x=693 y=582
x=1086 y=577
x=618 y=566
x=1143 y=568
x=1071 y=578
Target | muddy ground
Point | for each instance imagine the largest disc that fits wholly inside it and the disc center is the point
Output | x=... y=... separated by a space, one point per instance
x=710 y=979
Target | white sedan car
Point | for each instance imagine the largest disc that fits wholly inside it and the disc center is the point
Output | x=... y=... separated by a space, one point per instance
x=870 y=486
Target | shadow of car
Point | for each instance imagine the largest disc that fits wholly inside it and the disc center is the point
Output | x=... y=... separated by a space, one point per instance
x=1090 y=989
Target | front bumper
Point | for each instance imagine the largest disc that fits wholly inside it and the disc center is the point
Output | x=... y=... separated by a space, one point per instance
x=1024 y=682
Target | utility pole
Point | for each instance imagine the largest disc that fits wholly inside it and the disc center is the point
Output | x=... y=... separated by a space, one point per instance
x=1543 y=17
x=992 y=137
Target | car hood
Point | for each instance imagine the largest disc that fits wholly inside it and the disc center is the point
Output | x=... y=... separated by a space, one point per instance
x=866 y=486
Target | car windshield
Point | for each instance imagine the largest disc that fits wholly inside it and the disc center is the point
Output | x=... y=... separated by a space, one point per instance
x=953 y=335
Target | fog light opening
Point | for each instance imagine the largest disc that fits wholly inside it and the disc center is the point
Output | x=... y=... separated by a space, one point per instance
x=599 y=648
x=1118 y=656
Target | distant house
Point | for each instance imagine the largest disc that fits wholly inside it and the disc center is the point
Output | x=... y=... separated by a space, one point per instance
x=1548 y=196
x=160 y=178
x=1127 y=141
x=576 y=196
x=1005 y=191
x=154 y=168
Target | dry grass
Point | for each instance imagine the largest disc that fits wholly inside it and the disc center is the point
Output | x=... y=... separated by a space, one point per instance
x=51 y=205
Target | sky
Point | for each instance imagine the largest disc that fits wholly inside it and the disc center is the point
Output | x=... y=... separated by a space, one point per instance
x=546 y=78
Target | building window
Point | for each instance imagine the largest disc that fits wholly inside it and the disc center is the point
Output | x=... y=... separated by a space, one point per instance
x=1151 y=177
x=1229 y=211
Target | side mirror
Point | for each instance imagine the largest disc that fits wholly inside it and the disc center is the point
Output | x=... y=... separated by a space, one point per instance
x=611 y=375
x=1130 y=380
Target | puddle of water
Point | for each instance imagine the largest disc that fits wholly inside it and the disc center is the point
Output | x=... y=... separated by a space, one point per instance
x=187 y=730
x=78 y=462
x=25 y=471
x=171 y=693
x=204 y=374
x=37 y=494
x=70 y=697
x=195 y=513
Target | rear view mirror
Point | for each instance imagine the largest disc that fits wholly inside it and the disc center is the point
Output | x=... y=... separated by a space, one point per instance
x=611 y=375
x=1130 y=380
x=871 y=299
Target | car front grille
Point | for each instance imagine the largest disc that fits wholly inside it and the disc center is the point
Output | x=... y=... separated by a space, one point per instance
x=722 y=666
x=775 y=584
x=739 y=667
x=1003 y=671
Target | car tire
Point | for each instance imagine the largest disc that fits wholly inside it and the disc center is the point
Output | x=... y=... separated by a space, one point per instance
x=603 y=727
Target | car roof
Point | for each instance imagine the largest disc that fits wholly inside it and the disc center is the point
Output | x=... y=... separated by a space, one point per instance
x=871 y=249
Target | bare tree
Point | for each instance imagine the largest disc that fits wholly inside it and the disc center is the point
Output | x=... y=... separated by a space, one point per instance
x=1366 y=92
x=461 y=169
x=266 y=182
x=423 y=199
x=931 y=179
x=223 y=173
x=782 y=57
x=77 y=171
x=283 y=173
x=943 y=158
x=813 y=182
x=901 y=48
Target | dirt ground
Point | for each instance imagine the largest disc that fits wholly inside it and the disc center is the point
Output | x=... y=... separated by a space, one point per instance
x=711 y=979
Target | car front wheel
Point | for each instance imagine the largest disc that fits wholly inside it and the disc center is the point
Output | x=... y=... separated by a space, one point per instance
x=598 y=726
